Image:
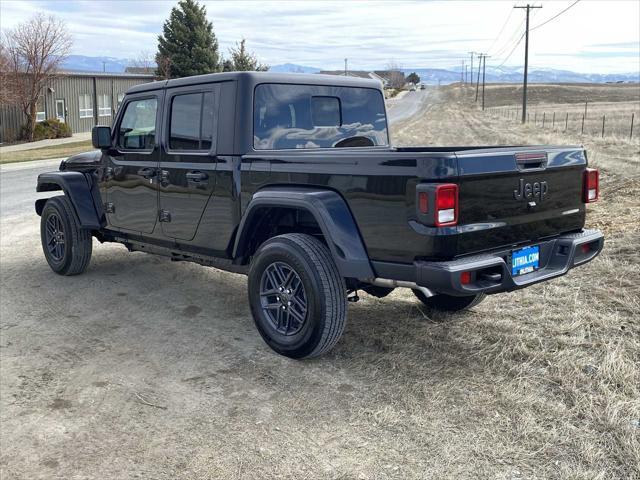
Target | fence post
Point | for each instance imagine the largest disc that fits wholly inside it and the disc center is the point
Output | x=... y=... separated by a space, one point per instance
x=603 y=126
x=631 y=132
x=566 y=122
x=535 y=119
x=553 y=122
x=585 y=108
x=544 y=114
x=582 y=129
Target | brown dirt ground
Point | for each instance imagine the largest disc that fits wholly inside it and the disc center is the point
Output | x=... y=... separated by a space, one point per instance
x=143 y=368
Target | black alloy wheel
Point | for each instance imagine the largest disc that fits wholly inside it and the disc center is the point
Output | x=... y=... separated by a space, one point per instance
x=54 y=237
x=283 y=298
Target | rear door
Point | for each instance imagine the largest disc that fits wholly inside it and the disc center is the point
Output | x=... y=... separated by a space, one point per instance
x=509 y=196
x=188 y=163
x=130 y=173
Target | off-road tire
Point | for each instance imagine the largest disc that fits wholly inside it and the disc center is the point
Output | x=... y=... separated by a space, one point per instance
x=75 y=252
x=323 y=288
x=449 y=303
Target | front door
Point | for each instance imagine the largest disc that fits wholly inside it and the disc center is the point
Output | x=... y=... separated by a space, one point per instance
x=60 y=110
x=132 y=166
x=188 y=163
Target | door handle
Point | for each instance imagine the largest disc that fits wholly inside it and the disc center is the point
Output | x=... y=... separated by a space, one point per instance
x=147 y=172
x=197 y=176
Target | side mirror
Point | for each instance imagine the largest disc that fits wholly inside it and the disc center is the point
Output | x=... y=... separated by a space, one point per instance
x=101 y=136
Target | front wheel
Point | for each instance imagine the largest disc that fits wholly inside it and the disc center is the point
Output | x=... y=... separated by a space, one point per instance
x=449 y=303
x=297 y=296
x=66 y=246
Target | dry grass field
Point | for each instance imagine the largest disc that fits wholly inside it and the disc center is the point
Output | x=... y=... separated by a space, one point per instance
x=560 y=108
x=144 y=368
x=564 y=355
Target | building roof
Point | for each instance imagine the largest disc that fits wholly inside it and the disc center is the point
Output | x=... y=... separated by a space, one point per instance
x=261 y=77
x=350 y=73
x=81 y=73
x=386 y=74
x=143 y=70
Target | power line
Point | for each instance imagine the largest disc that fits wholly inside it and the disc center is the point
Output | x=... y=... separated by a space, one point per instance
x=509 y=42
x=517 y=43
x=512 y=50
x=555 y=16
x=501 y=30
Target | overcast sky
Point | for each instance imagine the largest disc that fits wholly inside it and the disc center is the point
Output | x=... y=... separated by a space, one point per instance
x=593 y=36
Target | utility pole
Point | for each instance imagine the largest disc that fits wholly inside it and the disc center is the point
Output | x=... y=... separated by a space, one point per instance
x=471 y=67
x=478 y=81
x=526 y=63
x=484 y=64
x=462 y=73
x=345 y=67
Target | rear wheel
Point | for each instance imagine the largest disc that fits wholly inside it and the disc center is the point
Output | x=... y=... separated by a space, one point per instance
x=449 y=303
x=66 y=246
x=297 y=296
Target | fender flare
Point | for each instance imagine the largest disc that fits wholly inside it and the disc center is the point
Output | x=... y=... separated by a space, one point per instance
x=81 y=190
x=333 y=216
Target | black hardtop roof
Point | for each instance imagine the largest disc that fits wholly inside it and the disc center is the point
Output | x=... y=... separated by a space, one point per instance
x=254 y=78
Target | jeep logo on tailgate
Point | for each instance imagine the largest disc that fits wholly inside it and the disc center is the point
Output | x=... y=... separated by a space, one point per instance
x=531 y=191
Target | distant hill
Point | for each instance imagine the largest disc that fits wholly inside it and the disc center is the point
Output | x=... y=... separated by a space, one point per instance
x=431 y=76
x=95 y=64
x=434 y=76
x=293 y=68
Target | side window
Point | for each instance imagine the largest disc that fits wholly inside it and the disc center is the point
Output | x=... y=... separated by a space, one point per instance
x=192 y=122
x=137 y=130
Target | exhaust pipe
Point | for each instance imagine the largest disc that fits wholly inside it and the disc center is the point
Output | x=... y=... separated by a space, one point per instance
x=388 y=283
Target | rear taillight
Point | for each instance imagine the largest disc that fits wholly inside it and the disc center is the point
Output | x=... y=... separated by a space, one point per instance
x=591 y=185
x=446 y=205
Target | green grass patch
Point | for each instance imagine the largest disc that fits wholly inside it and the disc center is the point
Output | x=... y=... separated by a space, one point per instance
x=45 y=153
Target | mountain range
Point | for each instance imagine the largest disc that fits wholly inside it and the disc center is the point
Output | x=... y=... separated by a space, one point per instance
x=431 y=76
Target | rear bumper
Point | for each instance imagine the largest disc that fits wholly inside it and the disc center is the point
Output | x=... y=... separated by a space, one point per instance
x=491 y=272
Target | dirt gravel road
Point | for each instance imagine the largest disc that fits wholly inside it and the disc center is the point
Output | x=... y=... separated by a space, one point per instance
x=144 y=368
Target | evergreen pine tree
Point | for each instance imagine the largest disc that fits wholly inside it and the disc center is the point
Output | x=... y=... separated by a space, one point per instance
x=413 y=78
x=244 y=61
x=187 y=45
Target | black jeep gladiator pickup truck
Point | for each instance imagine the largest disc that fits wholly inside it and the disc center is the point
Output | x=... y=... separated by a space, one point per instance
x=291 y=179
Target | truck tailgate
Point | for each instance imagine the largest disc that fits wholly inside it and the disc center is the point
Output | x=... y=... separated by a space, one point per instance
x=512 y=196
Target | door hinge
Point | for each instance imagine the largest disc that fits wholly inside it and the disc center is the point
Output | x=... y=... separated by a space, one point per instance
x=164 y=216
x=109 y=207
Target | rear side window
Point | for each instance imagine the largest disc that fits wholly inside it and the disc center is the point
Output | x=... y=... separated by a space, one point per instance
x=192 y=121
x=310 y=116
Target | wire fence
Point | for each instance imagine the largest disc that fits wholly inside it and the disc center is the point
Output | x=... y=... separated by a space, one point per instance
x=616 y=119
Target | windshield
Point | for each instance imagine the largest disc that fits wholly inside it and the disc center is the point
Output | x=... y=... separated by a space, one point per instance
x=311 y=116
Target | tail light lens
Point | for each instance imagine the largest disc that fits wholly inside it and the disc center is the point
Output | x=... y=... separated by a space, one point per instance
x=591 y=185
x=446 y=205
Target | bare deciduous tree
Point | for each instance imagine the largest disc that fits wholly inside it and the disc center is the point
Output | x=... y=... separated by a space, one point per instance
x=35 y=50
x=7 y=84
x=144 y=61
x=395 y=76
x=164 y=67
